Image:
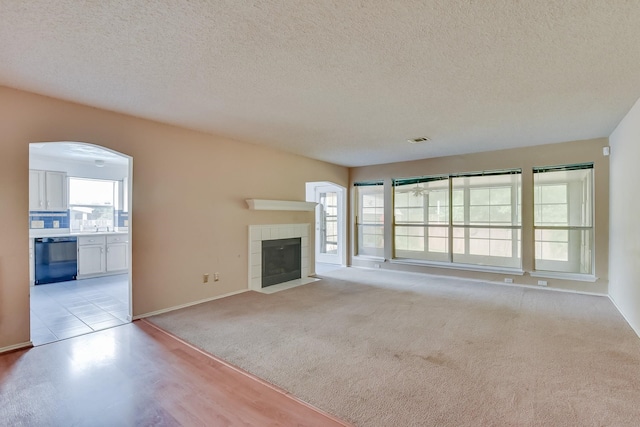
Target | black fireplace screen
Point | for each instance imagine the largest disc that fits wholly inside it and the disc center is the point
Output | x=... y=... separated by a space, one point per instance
x=280 y=261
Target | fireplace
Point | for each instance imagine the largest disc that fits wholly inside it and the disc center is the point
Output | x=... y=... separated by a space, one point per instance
x=259 y=234
x=280 y=261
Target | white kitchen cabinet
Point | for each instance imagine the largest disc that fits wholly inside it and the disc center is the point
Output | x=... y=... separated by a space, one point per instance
x=100 y=254
x=117 y=253
x=36 y=191
x=91 y=255
x=91 y=260
x=47 y=191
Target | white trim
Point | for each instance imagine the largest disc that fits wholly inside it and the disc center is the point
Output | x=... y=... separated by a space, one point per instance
x=20 y=346
x=466 y=267
x=471 y=279
x=624 y=316
x=369 y=258
x=189 y=304
x=280 y=205
x=564 y=276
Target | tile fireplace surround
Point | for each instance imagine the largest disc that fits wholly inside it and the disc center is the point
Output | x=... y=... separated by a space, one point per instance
x=258 y=233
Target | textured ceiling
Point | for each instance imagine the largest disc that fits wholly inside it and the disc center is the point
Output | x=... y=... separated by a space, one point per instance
x=343 y=81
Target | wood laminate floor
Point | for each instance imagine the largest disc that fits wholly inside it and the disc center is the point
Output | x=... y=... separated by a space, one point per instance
x=137 y=375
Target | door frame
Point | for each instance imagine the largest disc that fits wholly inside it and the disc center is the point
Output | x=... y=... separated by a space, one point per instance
x=311 y=191
x=129 y=184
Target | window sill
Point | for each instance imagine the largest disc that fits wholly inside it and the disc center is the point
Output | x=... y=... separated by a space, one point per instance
x=466 y=267
x=369 y=258
x=564 y=276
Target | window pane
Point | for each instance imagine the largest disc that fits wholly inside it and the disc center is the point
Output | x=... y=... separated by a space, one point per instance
x=91 y=204
x=371 y=240
x=500 y=196
x=498 y=247
x=492 y=199
x=423 y=202
x=423 y=243
x=370 y=218
x=90 y=192
x=553 y=193
x=567 y=251
x=565 y=198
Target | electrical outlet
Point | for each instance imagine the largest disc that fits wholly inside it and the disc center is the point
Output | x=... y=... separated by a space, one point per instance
x=542 y=282
x=216 y=277
x=205 y=278
x=508 y=280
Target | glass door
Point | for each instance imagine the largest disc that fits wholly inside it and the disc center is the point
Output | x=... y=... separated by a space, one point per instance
x=327 y=226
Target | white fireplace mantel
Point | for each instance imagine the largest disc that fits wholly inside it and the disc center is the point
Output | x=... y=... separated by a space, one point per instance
x=280 y=205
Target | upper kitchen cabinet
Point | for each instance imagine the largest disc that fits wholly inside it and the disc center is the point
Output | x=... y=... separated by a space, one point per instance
x=47 y=191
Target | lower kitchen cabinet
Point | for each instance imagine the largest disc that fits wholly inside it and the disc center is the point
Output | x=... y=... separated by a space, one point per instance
x=117 y=253
x=91 y=260
x=99 y=255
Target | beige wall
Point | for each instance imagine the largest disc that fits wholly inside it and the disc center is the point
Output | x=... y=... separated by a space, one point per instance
x=188 y=215
x=624 y=249
x=526 y=159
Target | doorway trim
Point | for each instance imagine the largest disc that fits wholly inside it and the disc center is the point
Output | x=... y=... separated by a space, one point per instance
x=311 y=191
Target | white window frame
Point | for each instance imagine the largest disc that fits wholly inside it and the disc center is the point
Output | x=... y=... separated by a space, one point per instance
x=559 y=268
x=362 y=189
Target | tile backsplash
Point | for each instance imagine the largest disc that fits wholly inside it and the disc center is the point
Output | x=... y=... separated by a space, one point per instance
x=122 y=218
x=48 y=219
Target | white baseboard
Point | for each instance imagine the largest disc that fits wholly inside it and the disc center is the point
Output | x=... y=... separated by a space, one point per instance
x=623 y=315
x=16 y=346
x=189 y=304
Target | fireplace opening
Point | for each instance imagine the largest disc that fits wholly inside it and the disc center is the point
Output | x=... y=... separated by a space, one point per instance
x=281 y=261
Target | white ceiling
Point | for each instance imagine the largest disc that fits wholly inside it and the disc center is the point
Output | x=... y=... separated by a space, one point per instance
x=343 y=81
x=77 y=152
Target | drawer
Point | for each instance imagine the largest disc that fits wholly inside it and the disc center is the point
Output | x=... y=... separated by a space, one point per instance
x=91 y=240
x=118 y=238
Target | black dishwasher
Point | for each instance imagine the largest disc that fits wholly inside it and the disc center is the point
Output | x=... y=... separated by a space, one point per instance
x=56 y=259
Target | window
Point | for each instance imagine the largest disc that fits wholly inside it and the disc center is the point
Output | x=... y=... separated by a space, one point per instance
x=486 y=227
x=482 y=228
x=91 y=204
x=370 y=218
x=563 y=218
x=421 y=210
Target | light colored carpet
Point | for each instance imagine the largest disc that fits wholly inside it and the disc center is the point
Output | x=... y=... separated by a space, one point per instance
x=380 y=348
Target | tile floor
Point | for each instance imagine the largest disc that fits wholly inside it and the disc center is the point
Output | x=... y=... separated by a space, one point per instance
x=68 y=309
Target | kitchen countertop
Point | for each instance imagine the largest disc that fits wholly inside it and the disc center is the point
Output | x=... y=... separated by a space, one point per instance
x=65 y=232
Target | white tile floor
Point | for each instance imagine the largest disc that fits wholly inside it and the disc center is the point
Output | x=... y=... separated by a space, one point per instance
x=68 y=309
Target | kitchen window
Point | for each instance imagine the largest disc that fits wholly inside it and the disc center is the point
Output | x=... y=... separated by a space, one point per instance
x=563 y=218
x=91 y=204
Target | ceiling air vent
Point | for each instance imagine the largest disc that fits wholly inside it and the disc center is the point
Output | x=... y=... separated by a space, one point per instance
x=418 y=140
